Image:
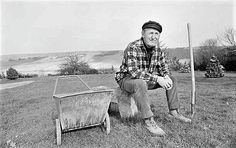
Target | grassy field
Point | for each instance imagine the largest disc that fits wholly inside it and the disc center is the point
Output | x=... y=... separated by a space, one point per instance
x=28 y=116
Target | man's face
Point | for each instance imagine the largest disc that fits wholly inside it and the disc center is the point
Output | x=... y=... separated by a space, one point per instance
x=151 y=37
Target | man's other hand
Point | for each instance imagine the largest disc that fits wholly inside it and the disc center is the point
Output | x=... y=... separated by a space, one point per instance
x=165 y=82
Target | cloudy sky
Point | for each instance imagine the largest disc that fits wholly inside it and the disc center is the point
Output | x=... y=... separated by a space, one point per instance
x=61 y=26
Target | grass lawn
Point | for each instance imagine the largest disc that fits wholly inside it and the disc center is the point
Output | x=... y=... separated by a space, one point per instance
x=28 y=116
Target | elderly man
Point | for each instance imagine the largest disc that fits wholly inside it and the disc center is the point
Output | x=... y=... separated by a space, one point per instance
x=144 y=67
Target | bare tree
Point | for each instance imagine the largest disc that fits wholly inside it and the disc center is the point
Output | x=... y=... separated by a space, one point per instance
x=228 y=38
x=208 y=48
x=73 y=63
x=211 y=43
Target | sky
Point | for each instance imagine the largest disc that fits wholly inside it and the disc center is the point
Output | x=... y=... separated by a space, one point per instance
x=79 y=25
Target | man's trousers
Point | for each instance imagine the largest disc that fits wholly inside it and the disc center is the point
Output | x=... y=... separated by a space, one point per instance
x=139 y=88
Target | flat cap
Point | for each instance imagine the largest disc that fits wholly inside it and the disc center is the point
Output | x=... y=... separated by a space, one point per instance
x=153 y=25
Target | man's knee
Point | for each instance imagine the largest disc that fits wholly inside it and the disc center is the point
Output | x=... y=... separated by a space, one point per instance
x=174 y=80
x=140 y=84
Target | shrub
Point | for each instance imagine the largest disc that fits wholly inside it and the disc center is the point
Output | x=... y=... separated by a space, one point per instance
x=73 y=65
x=31 y=75
x=174 y=64
x=27 y=75
x=2 y=76
x=21 y=75
x=185 y=68
x=12 y=74
x=53 y=74
x=106 y=71
x=92 y=71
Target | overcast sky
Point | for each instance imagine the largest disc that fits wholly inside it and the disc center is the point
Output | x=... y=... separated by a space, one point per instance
x=61 y=26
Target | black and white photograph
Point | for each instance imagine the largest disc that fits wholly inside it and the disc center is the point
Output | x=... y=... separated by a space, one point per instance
x=118 y=74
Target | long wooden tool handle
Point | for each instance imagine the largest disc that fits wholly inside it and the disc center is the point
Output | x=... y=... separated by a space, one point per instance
x=193 y=92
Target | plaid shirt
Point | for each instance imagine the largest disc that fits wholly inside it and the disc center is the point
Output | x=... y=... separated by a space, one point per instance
x=136 y=63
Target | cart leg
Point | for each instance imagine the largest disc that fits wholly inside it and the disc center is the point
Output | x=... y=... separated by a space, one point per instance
x=58 y=132
x=107 y=123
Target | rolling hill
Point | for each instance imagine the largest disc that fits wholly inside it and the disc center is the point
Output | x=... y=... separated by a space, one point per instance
x=45 y=63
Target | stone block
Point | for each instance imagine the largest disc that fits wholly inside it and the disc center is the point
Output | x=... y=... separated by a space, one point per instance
x=126 y=104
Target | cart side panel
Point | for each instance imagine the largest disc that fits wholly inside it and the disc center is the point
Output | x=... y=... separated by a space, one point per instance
x=84 y=110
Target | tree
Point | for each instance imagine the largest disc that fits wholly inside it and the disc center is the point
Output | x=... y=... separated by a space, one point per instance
x=74 y=65
x=12 y=74
x=227 y=39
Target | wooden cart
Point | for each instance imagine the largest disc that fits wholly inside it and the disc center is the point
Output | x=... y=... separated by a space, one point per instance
x=81 y=109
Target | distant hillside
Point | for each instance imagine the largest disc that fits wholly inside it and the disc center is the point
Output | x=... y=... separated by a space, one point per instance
x=25 y=56
x=110 y=57
x=50 y=62
x=39 y=63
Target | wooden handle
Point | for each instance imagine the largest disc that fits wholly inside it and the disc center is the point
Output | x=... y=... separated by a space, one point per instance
x=193 y=92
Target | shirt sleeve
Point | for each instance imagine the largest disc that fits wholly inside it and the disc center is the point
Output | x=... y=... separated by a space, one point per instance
x=163 y=68
x=134 y=70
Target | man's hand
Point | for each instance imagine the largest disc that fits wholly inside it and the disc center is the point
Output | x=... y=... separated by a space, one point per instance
x=169 y=81
x=165 y=82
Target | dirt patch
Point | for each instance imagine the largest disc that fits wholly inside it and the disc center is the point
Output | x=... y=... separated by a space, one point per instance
x=12 y=85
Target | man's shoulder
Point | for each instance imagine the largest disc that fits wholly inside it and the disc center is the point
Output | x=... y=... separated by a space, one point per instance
x=137 y=43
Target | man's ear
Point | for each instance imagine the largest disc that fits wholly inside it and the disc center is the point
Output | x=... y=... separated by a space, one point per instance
x=142 y=33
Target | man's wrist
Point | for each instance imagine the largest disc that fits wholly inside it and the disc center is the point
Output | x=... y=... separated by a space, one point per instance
x=166 y=76
x=157 y=78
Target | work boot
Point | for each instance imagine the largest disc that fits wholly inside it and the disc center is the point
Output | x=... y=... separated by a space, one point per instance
x=151 y=125
x=175 y=114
